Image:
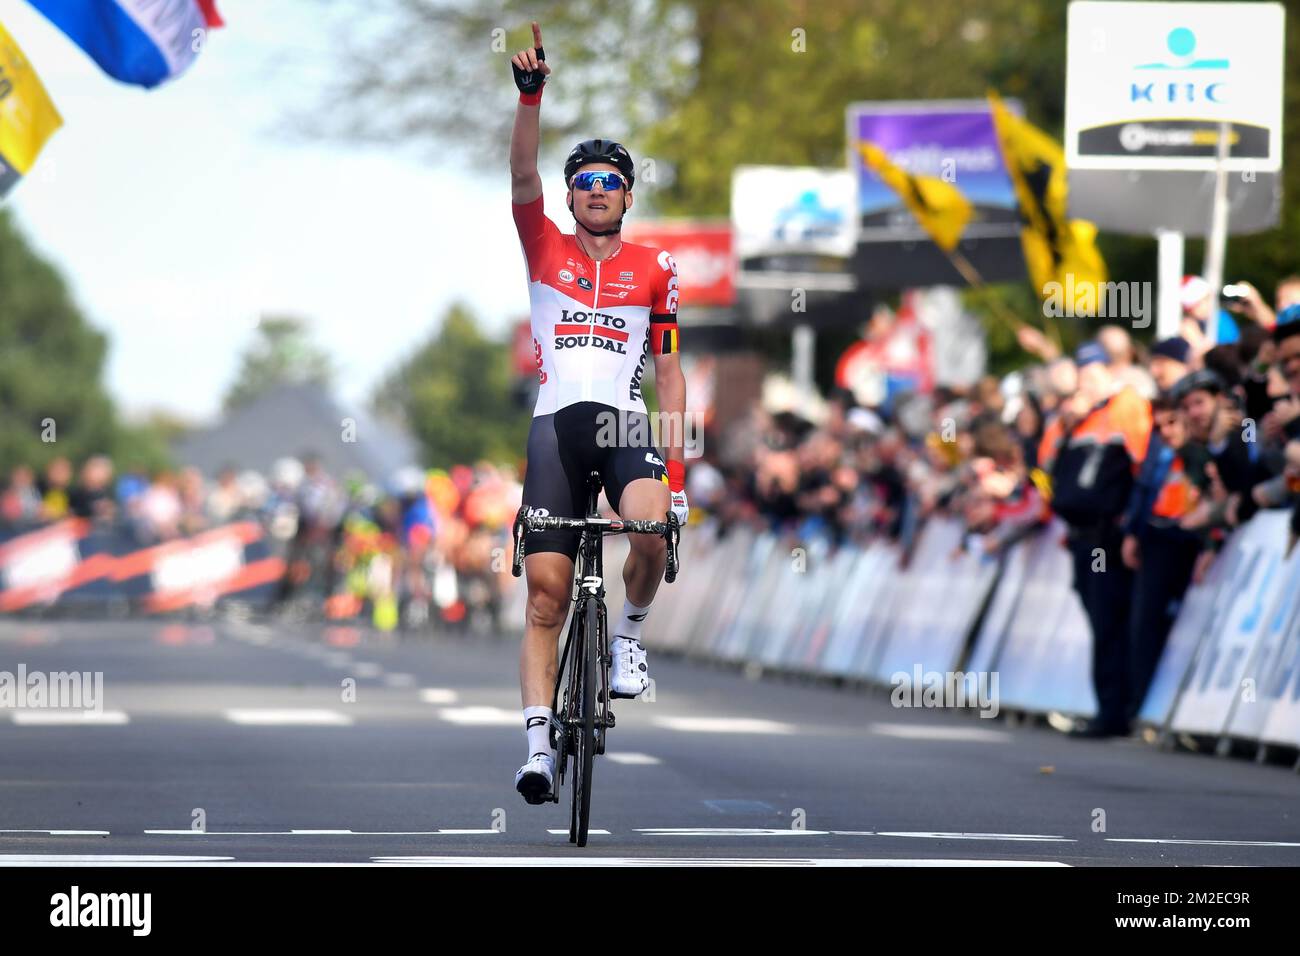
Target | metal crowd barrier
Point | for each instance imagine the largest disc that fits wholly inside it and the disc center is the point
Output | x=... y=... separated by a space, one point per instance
x=1230 y=670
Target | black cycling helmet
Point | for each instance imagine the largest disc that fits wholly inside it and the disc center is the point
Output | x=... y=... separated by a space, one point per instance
x=1202 y=380
x=599 y=151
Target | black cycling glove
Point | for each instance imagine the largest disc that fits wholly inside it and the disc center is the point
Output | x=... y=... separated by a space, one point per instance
x=530 y=81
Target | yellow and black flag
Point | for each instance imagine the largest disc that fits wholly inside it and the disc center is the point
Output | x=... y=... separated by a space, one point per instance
x=27 y=117
x=1057 y=249
x=938 y=206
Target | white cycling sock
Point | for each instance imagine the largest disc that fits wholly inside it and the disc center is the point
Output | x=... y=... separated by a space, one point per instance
x=629 y=625
x=537 y=724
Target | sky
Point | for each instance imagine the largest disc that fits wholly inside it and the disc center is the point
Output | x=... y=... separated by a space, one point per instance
x=179 y=215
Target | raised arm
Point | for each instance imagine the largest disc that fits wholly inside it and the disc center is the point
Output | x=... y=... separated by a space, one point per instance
x=530 y=72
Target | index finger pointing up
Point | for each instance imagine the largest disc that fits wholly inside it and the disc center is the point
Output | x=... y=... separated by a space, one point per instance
x=537 y=35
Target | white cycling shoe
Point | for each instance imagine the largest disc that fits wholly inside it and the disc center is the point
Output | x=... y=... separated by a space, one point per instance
x=535 y=779
x=628 y=674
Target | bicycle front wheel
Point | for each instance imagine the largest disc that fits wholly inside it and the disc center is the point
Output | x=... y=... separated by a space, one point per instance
x=585 y=749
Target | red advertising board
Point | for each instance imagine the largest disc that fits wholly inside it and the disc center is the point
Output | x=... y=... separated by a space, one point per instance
x=702 y=251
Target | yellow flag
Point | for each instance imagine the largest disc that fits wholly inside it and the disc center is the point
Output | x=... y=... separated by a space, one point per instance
x=939 y=207
x=1057 y=249
x=27 y=117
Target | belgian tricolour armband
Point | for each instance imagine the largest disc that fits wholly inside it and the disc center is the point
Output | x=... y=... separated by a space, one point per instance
x=663 y=310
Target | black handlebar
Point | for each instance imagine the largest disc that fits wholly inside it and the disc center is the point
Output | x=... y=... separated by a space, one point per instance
x=668 y=529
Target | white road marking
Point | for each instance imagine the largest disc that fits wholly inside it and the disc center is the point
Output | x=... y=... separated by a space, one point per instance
x=288 y=717
x=105 y=860
x=438 y=695
x=724 y=725
x=633 y=759
x=97 y=859
x=565 y=832
x=1206 y=842
x=482 y=716
x=1010 y=837
x=687 y=861
x=399 y=680
x=368 y=669
x=62 y=832
x=727 y=831
x=917 y=732
x=56 y=718
x=363 y=833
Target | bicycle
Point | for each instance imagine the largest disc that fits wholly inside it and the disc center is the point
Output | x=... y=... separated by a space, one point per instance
x=582 y=714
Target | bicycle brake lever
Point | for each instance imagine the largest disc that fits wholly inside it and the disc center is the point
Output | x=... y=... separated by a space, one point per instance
x=517 y=557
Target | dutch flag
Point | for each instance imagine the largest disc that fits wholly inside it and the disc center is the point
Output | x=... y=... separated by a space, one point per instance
x=145 y=42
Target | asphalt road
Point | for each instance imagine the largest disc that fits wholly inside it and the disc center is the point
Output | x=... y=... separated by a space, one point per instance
x=234 y=742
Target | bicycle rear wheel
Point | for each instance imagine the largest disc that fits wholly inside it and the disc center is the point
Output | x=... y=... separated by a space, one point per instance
x=584 y=708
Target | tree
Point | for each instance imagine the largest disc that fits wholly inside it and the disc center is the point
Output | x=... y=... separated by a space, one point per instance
x=51 y=364
x=436 y=75
x=699 y=86
x=454 y=393
x=283 y=353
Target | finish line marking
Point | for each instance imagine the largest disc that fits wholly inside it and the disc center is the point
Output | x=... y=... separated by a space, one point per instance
x=360 y=833
x=690 y=861
x=727 y=831
x=1206 y=842
x=104 y=859
x=107 y=860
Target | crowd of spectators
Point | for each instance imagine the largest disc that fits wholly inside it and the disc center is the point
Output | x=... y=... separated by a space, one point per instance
x=420 y=543
x=1149 y=455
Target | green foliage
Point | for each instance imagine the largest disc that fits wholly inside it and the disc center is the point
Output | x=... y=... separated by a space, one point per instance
x=773 y=79
x=700 y=86
x=51 y=363
x=454 y=393
x=144 y=446
x=436 y=76
x=282 y=353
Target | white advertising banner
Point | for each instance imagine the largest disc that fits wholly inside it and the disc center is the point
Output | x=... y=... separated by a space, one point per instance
x=1221 y=663
x=1147 y=85
x=787 y=210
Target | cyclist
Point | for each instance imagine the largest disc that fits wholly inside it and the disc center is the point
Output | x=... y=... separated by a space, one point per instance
x=601 y=309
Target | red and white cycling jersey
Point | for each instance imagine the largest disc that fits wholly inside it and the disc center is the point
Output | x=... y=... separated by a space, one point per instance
x=595 y=324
